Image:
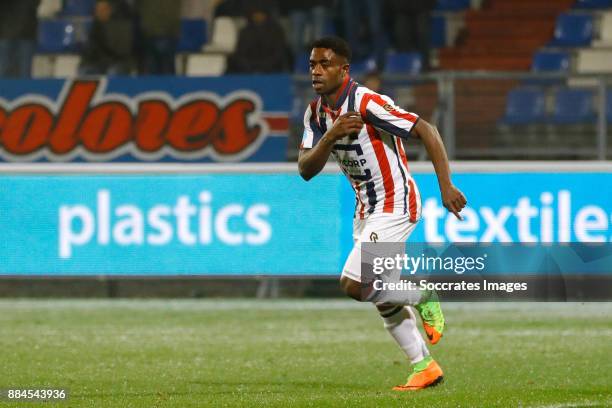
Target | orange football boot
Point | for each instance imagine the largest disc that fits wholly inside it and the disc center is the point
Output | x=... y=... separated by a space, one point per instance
x=427 y=373
x=432 y=317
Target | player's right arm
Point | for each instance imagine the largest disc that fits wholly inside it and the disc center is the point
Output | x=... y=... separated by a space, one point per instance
x=313 y=154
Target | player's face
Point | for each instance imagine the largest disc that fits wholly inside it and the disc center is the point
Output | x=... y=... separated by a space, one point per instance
x=327 y=70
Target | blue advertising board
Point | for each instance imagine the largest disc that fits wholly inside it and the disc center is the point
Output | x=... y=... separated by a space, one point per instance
x=161 y=119
x=277 y=224
x=520 y=207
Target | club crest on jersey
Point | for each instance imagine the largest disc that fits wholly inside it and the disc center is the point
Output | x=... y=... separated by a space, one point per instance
x=388 y=107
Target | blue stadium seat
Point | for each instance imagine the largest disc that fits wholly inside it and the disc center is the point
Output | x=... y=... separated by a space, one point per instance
x=363 y=66
x=404 y=63
x=78 y=7
x=573 y=30
x=593 y=4
x=57 y=36
x=438 y=31
x=551 y=61
x=525 y=106
x=452 y=5
x=329 y=27
x=301 y=64
x=193 y=34
x=573 y=106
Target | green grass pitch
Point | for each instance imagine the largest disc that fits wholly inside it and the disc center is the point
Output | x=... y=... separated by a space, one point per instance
x=286 y=353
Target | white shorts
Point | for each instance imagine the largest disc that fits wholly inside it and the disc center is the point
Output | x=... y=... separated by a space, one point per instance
x=377 y=228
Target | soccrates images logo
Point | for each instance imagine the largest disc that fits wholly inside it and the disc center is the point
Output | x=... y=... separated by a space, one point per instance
x=87 y=122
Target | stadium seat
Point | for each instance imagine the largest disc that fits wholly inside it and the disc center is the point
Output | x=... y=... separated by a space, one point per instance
x=193 y=35
x=42 y=65
x=205 y=65
x=301 y=63
x=363 y=66
x=573 y=30
x=573 y=106
x=594 y=60
x=438 y=31
x=452 y=5
x=605 y=31
x=78 y=7
x=525 y=106
x=404 y=63
x=224 y=36
x=551 y=61
x=593 y=4
x=66 y=65
x=53 y=65
x=49 y=8
x=329 y=28
x=57 y=35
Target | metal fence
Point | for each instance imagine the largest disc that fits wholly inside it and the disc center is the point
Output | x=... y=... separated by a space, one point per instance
x=500 y=115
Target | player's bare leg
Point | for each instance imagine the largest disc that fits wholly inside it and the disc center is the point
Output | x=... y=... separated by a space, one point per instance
x=400 y=322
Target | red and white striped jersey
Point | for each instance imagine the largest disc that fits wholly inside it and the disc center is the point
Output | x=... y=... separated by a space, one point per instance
x=374 y=161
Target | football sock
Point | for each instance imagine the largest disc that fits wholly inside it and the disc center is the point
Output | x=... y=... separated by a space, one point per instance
x=400 y=322
x=397 y=297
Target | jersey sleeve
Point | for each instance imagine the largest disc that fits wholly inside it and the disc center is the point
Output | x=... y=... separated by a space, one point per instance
x=381 y=112
x=312 y=133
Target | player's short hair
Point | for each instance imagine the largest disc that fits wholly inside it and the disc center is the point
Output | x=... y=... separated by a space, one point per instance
x=336 y=44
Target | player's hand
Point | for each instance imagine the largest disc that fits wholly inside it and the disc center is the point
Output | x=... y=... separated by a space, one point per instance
x=453 y=200
x=346 y=124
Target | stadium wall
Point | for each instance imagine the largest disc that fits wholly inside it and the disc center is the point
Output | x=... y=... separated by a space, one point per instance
x=147 y=119
x=166 y=229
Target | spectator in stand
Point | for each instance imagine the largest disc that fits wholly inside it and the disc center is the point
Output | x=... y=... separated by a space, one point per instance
x=230 y=8
x=18 y=29
x=304 y=16
x=412 y=26
x=160 y=28
x=373 y=80
x=261 y=44
x=109 y=47
x=198 y=9
x=366 y=40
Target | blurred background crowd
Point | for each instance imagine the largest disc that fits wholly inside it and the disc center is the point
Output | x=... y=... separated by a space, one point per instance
x=119 y=37
x=504 y=78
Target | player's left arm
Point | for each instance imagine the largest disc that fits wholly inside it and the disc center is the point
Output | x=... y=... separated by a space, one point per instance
x=383 y=113
x=452 y=198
